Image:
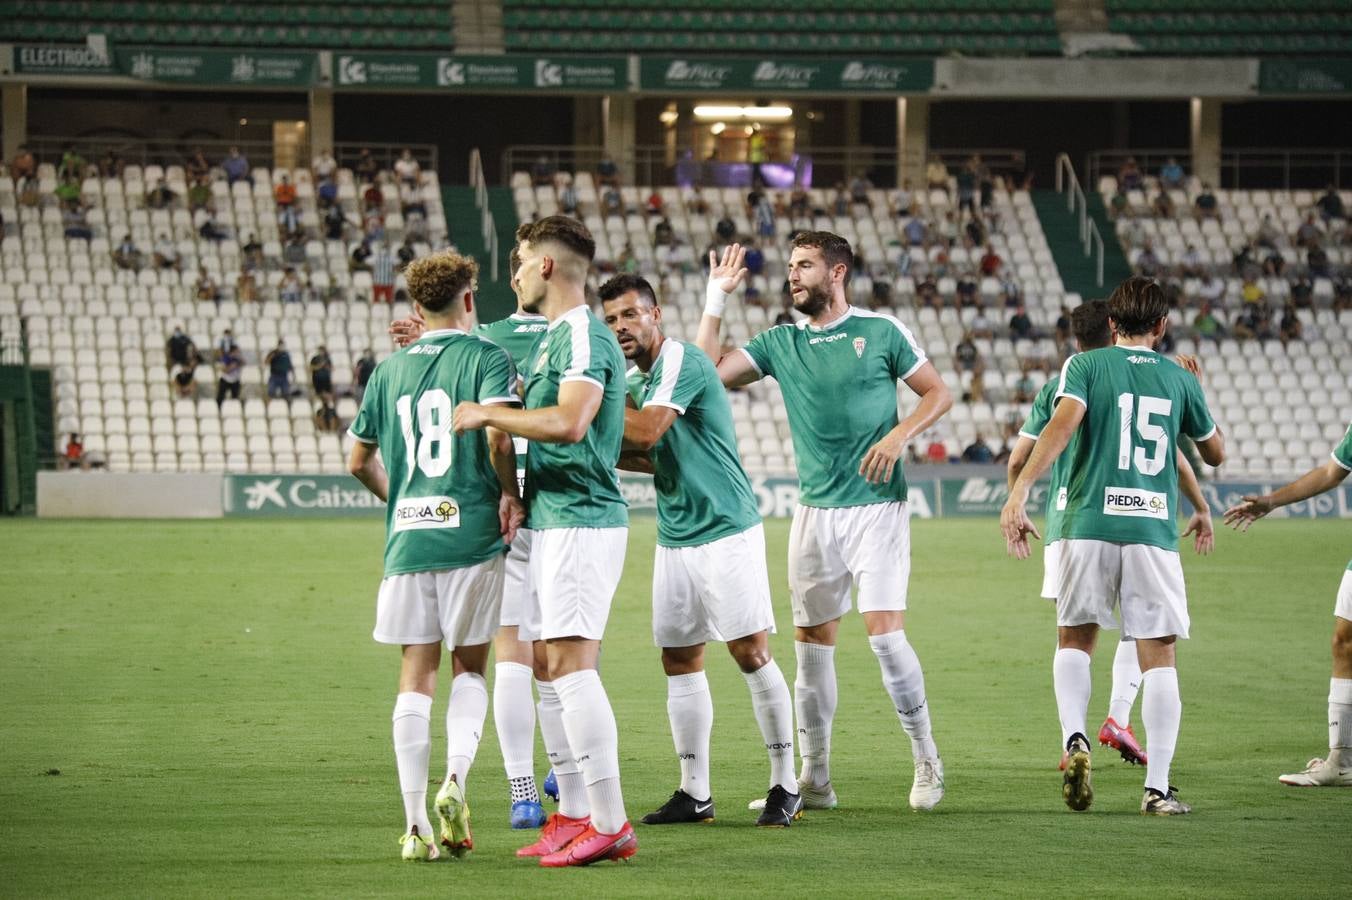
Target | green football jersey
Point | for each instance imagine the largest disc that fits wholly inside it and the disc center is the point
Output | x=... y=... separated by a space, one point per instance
x=702 y=490
x=1038 y=417
x=840 y=389
x=575 y=485
x=516 y=334
x=442 y=511
x=1342 y=455
x=1122 y=485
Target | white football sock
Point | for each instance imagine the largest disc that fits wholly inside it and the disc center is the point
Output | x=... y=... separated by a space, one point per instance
x=691 y=712
x=1126 y=682
x=1161 y=711
x=1071 y=681
x=464 y=724
x=412 y=753
x=905 y=684
x=514 y=718
x=814 y=701
x=774 y=713
x=1340 y=721
x=595 y=741
x=572 y=789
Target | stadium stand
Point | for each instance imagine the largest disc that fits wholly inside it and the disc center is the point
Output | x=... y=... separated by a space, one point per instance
x=381 y=24
x=1204 y=27
x=1271 y=392
x=103 y=329
x=854 y=26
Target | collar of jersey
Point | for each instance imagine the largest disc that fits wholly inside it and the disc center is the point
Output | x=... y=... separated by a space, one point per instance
x=527 y=317
x=1135 y=347
x=575 y=311
x=807 y=325
x=440 y=332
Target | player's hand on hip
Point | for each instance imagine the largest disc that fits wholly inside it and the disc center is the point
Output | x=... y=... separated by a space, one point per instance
x=728 y=272
x=469 y=417
x=511 y=516
x=406 y=331
x=880 y=461
x=1205 y=534
x=1243 y=514
x=1190 y=363
x=1016 y=525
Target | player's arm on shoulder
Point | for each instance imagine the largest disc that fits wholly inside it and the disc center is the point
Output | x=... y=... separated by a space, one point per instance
x=565 y=423
x=643 y=428
x=1321 y=478
x=365 y=466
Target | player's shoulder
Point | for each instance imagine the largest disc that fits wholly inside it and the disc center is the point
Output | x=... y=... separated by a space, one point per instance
x=1048 y=390
x=881 y=321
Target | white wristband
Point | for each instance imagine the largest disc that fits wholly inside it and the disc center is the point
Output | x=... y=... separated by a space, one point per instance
x=714 y=299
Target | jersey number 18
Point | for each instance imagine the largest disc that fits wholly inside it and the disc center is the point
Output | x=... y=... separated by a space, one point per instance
x=430 y=449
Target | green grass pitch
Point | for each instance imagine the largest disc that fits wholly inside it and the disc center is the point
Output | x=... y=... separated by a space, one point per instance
x=220 y=721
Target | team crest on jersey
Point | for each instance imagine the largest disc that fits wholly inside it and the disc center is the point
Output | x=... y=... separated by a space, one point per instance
x=422 y=513
x=542 y=359
x=859 y=345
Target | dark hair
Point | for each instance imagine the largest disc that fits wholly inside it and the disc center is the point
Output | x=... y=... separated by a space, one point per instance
x=1089 y=322
x=623 y=284
x=561 y=230
x=513 y=260
x=1137 y=304
x=835 y=249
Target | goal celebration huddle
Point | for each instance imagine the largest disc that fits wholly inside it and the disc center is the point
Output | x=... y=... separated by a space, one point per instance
x=496 y=449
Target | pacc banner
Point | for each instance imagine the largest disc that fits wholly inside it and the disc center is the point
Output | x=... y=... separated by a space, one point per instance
x=242 y=67
x=861 y=76
x=458 y=72
x=1305 y=76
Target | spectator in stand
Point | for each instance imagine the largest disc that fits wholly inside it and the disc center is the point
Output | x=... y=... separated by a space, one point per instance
x=1317 y=261
x=1253 y=321
x=68 y=191
x=1163 y=205
x=324 y=165
x=607 y=173
x=611 y=202
x=1274 y=263
x=179 y=348
x=978 y=451
x=967 y=290
x=1291 y=328
x=980 y=325
x=199 y=195
x=111 y=165
x=568 y=199
x=927 y=292
x=1268 y=234
x=901 y=202
x=1129 y=175
x=726 y=229
x=1206 y=324
x=280 y=371
x=1252 y=292
x=1025 y=389
x=936 y=452
x=859 y=188
x=975 y=392
x=696 y=202
x=1190 y=263
x=231 y=367
x=293 y=251
x=1211 y=289
x=654 y=206
x=289 y=288
x=1062 y=327
x=991 y=262
x=406 y=254
x=373 y=225
x=126 y=255
x=965 y=353
x=73 y=222
x=974 y=233
x=917 y=233
x=361 y=372
x=326 y=195
x=284 y=194
x=936 y=175
x=542 y=171
x=160 y=196
x=366 y=168
x=1172 y=175
x=967 y=187
x=165 y=254
x=1302 y=292
x=1206 y=206
x=321 y=373
x=676 y=257
x=359 y=261
x=206 y=287
x=183 y=379
x=762 y=214
x=210 y=229
x=840 y=200
x=246 y=287
x=798 y=201
x=1020 y=325
x=72 y=164
x=222 y=344
x=327 y=420
x=1309 y=235
x=236 y=167
x=382 y=274
x=196 y=168
x=1148 y=261
x=252 y=252
x=755 y=260
x=411 y=201
x=663 y=232
x=627 y=261
x=335 y=223
x=1119 y=205
x=73 y=453
x=1331 y=205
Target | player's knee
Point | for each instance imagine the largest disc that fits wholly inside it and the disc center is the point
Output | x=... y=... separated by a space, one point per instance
x=750 y=655
x=1342 y=641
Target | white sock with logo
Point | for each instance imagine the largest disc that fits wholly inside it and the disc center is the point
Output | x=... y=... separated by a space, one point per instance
x=814 y=701
x=1340 y=721
x=590 y=724
x=1071 y=681
x=905 y=684
x=690 y=710
x=464 y=724
x=774 y=714
x=1161 y=712
x=514 y=718
x=412 y=754
x=1126 y=682
x=573 y=801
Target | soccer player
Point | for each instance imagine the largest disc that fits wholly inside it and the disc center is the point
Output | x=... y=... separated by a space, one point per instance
x=838 y=370
x=1118 y=415
x=451 y=503
x=1336 y=769
x=1093 y=329
x=574 y=418
x=710 y=581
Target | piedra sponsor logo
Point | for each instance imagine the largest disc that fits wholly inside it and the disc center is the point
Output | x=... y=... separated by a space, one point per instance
x=422 y=513
x=772 y=74
x=1135 y=503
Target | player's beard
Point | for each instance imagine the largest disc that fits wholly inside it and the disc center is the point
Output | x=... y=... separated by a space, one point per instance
x=814 y=299
x=532 y=304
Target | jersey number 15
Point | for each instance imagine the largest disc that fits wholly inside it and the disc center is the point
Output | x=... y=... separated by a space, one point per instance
x=1152 y=434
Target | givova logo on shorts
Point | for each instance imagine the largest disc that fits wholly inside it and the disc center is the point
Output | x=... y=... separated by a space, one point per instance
x=421 y=513
x=1134 y=502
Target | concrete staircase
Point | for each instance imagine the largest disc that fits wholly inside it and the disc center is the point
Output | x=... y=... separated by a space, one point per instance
x=1078 y=271
x=463 y=219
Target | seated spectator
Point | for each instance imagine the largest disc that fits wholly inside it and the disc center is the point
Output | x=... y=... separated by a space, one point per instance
x=568 y=199
x=1206 y=206
x=236 y=167
x=111 y=165
x=1291 y=328
x=321 y=373
x=126 y=255
x=1062 y=327
x=326 y=418
x=405 y=254
x=1268 y=234
x=68 y=191
x=696 y=202
x=1211 y=289
x=212 y=230
x=1253 y=322
x=164 y=254
x=160 y=196
x=1252 y=291
x=73 y=222
x=1129 y=175
x=901 y=202
x=72 y=455
x=653 y=206
x=975 y=392
x=1148 y=261
x=978 y=451
x=1025 y=389
x=1330 y=205
x=1317 y=261
x=676 y=256
x=627 y=262
x=859 y=188
x=179 y=348
x=967 y=290
x=542 y=171
x=361 y=253
x=206 y=288
x=373 y=226
x=755 y=260
x=607 y=173
x=725 y=229
x=663 y=232
x=289 y=288
x=927 y=292
x=798 y=201
x=967 y=187
x=1309 y=235
x=1010 y=287
x=199 y=195
x=965 y=353
x=1020 y=325
x=293 y=252
x=280 y=371
x=1172 y=175
x=990 y=262
x=246 y=287
x=1206 y=324
x=361 y=372
x=1163 y=205
x=252 y=251
x=980 y=326
x=72 y=164
x=916 y=232
x=840 y=200
x=1274 y=263
x=366 y=168
x=197 y=168
x=762 y=213
x=1190 y=263
x=230 y=369
x=1302 y=292
x=936 y=175
x=611 y=202
x=222 y=345
x=1119 y=205
x=974 y=233
x=324 y=165
x=183 y=378
x=936 y=452
x=335 y=223
x=326 y=195
x=411 y=201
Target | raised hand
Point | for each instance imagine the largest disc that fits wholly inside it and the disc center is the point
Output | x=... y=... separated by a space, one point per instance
x=729 y=272
x=406 y=331
x=1190 y=363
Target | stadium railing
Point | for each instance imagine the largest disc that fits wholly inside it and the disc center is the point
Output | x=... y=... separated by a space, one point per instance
x=1077 y=204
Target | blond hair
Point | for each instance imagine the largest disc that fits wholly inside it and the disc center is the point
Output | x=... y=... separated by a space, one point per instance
x=437 y=281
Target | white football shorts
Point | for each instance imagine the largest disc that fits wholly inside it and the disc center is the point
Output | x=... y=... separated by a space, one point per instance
x=516 y=583
x=1051 y=569
x=457 y=606
x=1343 y=609
x=719 y=591
x=1099 y=578
x=575 y=572
x=832 y=550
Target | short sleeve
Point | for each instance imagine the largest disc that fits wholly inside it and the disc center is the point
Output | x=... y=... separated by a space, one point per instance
x=905 y=356
x=677 y=381
x=577 y=358
x=1342 y=454
x=1039 y=415
x=497 y=382
x=1196 y=422
x=758 y=351
x=1075 y=377
x=364 y=425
